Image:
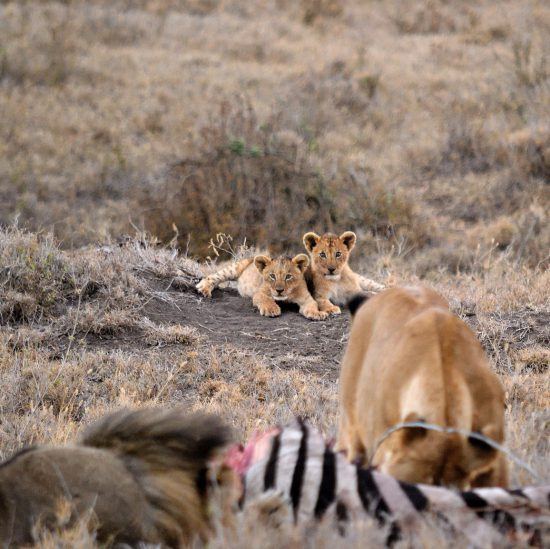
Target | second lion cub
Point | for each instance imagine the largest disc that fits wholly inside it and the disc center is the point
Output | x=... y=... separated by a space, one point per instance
x=409 y=359
x=330 y=275
x=268 y=281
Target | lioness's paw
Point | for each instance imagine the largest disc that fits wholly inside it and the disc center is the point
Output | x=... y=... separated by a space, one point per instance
x=315 y=314
x=333 y=310
x=270 y=309
x=205 y=288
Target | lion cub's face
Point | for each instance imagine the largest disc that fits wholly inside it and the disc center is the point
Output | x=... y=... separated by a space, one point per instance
x=329 y=253
x=282 y=275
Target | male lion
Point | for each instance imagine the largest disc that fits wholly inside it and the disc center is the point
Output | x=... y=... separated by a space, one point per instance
x=330 y=276
x=140 y=474
x=410 y=359
x=268 y=281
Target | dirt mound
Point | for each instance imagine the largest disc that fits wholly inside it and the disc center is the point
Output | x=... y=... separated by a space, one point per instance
x=228 y=319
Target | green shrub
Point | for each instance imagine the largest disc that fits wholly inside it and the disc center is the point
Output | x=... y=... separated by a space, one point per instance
x=250 y=181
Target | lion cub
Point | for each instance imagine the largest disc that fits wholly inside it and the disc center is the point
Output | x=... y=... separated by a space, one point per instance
x=410 y=359
x=330 y=275
x=268 y=281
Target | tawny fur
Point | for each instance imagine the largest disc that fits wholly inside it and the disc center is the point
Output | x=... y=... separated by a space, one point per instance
x=233 y=271
x=139 y=473
x=410 y=359
x=330 y=277
x=269 y=281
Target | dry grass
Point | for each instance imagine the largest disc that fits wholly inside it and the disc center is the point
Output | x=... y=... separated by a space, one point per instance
x=257 y=182
x=127 y=105
x=72 y=363
x=422 y=126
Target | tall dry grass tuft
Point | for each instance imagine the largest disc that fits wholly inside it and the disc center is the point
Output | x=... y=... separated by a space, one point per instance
x=37 y=48
x=38 y=280
x=433 y=16
x=35 y=277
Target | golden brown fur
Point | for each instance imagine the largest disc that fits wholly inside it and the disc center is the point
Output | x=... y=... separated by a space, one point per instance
x=268 y=281
x=332 y=280
x=410 y=359
x=141 y=474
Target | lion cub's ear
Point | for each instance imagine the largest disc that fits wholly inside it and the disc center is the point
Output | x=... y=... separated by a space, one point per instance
x=348 y=239
x=261 y=262
x=301 y=261
x=310 y=241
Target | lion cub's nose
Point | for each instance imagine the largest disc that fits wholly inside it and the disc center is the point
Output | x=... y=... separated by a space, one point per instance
x=280 y=290
x=331 y=269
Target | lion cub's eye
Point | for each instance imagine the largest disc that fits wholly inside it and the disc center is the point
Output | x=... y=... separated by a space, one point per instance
x=272 y=276
x=338 y=254
x=323 y=255
x=288 y=277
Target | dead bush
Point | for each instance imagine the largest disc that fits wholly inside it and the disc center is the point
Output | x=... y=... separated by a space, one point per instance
x=528 y=151
x=316 y=101
x=482 y=200
x=530 y=60
x=502 y=232
x=98 y=319
x=446 y=257
x=533 y=240
x=37 y=45
x=315 y=9
x=251 y=181
x=514 y=240
x=159 y=335
x=37 y=280
x=433 y=16
x=469 y=146
x=532 y=360
x=35 y=276
x=311 y=11
x=115 y=28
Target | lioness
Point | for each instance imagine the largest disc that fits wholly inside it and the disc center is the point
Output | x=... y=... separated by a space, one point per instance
x=268 y=281
x=410 y=359
x=330 y=276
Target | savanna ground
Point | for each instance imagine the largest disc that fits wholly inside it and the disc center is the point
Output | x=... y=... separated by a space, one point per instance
x=423 y=126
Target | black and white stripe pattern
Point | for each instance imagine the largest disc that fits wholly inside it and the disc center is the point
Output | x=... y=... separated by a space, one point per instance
x=316 y=482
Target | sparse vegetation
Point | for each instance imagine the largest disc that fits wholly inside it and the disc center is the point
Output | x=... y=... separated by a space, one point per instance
x=253 y=181
x=421 y=126
x=433 y=17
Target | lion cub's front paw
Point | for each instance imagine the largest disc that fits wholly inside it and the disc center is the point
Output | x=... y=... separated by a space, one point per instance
x=269 y=309
x=205 y=288
x=313 y=313
x=333 y=310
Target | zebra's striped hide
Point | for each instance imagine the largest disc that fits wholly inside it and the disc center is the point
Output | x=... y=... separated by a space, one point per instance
x=296 y=463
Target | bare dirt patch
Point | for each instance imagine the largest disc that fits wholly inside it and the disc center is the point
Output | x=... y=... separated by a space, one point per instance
x=228 y=319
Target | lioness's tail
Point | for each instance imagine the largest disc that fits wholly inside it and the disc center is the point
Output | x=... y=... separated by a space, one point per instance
x=167 y=451
x=231 y=272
